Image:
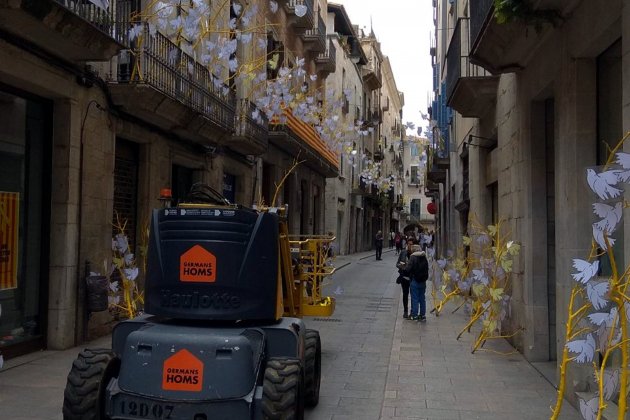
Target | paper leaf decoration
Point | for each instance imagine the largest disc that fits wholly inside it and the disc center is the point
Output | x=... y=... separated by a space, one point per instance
x=300 y=10
x=584 y=348
x=610 y=215
x=586 y=270
x=589 y=408
x=598 y=235
x=603 y=183
x=102 y=4
x=480 y=276
x=496 y=294
x=596 y=294
x=611 y=384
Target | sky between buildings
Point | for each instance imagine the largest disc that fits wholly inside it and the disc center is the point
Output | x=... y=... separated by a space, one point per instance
x=404 y=28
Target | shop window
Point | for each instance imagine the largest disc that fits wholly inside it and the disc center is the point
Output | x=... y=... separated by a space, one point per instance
x=25 y=150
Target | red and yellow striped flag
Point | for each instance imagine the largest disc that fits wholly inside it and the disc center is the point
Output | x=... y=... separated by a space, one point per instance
x=9 y=235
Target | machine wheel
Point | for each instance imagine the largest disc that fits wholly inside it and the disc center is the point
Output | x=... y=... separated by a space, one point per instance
x=312 y=367
x=283 y=386
x=85 y=389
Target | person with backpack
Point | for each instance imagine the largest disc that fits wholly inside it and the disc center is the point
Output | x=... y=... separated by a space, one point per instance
x=418 y=270
x=403 y=277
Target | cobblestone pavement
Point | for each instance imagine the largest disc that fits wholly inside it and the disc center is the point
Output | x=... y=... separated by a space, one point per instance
x=375 y=365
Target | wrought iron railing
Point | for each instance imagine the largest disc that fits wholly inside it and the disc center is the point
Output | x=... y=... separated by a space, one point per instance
x=115 y=21
x=329 y=57
x=318 y=32
x=159 y=62
x=458 y=63
x=480 y=12
x=245 y=125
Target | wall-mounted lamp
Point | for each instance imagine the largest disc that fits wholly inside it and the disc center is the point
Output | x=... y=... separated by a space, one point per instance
x=492 y=145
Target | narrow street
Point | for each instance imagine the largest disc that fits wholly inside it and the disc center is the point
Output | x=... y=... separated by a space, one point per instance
x=375 y=365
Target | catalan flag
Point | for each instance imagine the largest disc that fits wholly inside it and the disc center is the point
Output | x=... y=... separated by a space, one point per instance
x=9 y=231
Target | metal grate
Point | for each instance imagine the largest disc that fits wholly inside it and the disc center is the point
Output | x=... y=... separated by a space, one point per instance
x=327 y=320
x=126 y=187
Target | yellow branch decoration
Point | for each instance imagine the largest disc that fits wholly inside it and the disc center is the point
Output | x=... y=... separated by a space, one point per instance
x=480 y=276
x=125 y=298
x=598 y=325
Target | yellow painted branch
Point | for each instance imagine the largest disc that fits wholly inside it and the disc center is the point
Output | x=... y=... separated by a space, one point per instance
x=565 y=358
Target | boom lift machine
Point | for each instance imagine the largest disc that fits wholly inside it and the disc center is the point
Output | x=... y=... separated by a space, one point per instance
x=222 y=336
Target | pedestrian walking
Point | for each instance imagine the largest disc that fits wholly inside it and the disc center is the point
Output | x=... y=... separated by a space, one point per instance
x=418 y=270
x=398 y=242
x=378 y=244
x=403 y=277
x=392 y=235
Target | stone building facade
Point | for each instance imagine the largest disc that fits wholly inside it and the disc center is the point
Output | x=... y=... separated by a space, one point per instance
x=95 y=126
x=534 y=108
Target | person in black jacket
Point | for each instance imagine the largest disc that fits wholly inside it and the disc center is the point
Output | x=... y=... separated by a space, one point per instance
x=378 y=244
x=418 y=270
x=403 y=277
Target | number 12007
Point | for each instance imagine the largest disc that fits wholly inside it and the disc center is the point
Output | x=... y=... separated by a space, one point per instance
x=144 y=410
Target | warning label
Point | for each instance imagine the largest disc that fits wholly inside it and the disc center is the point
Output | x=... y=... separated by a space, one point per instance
x=198 y=265
x=182 y=372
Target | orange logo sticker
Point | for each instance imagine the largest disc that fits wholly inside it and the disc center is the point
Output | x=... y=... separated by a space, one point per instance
x=182 y=372
x=198 y=265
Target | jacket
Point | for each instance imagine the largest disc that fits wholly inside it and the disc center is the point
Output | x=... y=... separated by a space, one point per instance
x=403 y=260
x=418 y=267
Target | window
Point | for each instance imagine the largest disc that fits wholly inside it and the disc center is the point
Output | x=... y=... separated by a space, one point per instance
x=414 y=150
x=415 y=175
x=416 y=207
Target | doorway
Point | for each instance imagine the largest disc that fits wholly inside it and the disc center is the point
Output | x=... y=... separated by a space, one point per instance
x=25 y=169
x=551 y=225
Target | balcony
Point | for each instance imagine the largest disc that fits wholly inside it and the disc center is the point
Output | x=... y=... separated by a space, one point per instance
x=431 y=188
x=360 y=188
x=470 y=90
x=507 y=47
x=327 y=61
x=437 y=164
x=250 y=135
x=73 y=30
x=166 y=87
x=378 y=154
x=315 y=38
x=436 y=174
x=300 y=14
x=372 y=77
x=297 y=138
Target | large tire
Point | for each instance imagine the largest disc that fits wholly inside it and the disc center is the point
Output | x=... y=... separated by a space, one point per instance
x=283 y=387
x=312 y=367
x=84 y=396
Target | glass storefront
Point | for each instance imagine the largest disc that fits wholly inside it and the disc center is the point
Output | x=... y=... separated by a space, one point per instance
x=25 y=150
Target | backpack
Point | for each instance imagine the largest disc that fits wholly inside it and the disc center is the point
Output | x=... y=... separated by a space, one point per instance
x=418 y=268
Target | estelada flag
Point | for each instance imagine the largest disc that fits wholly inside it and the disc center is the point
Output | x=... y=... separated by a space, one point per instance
x=9 y=232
